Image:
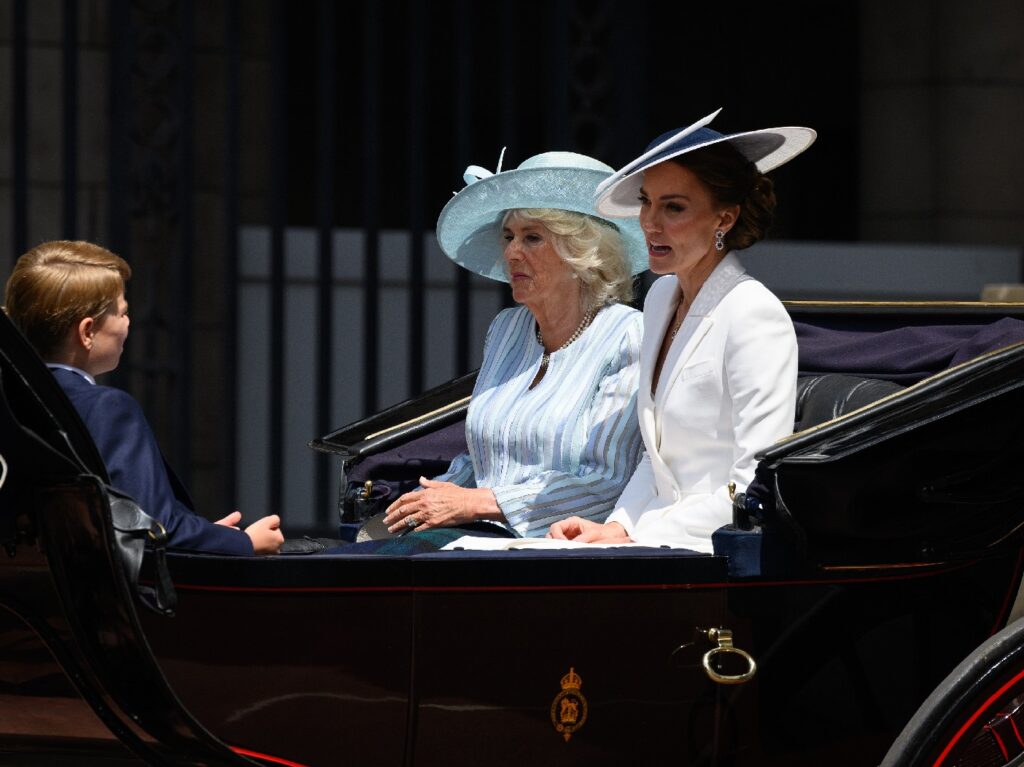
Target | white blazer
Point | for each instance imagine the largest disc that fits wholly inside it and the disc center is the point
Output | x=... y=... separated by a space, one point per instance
x=727 y=390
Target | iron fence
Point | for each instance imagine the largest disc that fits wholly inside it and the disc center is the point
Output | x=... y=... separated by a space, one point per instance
x=229 y=123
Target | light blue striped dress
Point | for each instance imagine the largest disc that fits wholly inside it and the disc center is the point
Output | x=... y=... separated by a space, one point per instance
x=567 y=446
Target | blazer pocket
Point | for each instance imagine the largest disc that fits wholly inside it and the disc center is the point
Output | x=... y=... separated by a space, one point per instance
x=694 y=403
x=697 y=370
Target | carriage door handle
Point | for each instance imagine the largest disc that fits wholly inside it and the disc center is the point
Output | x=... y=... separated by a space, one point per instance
x=724 y=646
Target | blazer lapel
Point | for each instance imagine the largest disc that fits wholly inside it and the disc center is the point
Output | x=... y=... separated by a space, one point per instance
x=690 y=334
x=657 y=317
x=658 y=312
x=656 y=321
x=699 y=319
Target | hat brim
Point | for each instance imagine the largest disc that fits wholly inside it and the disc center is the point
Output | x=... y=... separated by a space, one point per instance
x=469 y=227
x=767 y=149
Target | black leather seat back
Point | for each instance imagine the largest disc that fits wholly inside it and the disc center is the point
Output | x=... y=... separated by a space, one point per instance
x=821 y=398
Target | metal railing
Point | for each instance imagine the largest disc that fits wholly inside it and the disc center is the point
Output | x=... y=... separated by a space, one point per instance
x=204 y=145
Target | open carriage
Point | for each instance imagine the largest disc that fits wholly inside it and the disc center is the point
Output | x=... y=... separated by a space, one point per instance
x=879 y=547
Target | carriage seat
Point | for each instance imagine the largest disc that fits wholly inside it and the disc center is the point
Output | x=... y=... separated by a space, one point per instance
x=821 y=398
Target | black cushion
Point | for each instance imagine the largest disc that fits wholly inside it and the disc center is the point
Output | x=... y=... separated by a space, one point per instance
x=821 y=398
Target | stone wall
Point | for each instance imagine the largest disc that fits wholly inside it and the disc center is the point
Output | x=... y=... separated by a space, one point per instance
x=939 y=106
x=942 y=104
x=156 y=221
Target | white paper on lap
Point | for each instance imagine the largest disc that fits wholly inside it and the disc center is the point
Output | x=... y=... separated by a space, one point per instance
x=474 y=543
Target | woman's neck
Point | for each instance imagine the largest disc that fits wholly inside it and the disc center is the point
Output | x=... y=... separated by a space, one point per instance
x=557 y=322
x=692 y=280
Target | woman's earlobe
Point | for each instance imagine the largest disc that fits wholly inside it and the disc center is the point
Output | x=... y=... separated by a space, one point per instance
x=730 y=216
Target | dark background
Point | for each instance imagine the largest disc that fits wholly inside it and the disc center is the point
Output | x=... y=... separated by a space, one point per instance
x=633 y=72
x=200 y=139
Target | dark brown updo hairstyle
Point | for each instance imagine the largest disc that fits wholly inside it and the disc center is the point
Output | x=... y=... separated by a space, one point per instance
x=732 y=179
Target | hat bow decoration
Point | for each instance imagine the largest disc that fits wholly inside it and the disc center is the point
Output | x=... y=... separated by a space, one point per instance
x=476 y=173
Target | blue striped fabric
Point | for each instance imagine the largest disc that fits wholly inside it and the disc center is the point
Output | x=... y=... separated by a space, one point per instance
x=569 y=445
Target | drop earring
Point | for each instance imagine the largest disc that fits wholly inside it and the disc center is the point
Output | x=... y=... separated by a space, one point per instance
x=719 y=240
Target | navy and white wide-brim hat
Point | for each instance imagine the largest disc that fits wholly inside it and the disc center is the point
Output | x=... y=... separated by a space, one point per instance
x=469 y=227
x=617 y=196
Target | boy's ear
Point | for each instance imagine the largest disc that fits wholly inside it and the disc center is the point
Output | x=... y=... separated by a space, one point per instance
x=84 y=332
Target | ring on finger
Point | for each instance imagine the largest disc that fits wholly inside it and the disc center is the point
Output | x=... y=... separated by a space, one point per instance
x=411 y=521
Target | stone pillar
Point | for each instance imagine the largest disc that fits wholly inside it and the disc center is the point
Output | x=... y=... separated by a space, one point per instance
x=155 y=212
x=44 y=118
x=942 y=105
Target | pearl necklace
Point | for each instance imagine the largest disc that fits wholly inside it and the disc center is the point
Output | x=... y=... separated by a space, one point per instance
x=584 y=323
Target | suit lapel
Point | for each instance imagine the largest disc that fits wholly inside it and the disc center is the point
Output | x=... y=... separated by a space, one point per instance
x=690 y=334
x=656 y=323
x=699 y=321
x=657 y=316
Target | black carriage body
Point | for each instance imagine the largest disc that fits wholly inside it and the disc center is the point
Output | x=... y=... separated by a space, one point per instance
x=909 y=558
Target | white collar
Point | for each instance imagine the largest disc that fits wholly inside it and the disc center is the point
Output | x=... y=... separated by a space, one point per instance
x=79 y=371
x=726 y=274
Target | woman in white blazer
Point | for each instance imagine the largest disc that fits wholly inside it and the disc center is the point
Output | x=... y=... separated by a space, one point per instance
x=718 y=362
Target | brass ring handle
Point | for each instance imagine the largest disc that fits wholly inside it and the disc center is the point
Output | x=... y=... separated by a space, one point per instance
x=153 y=536
x=725 y=645
x=746 y=676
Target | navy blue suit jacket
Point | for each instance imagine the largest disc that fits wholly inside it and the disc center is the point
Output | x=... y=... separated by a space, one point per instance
x=137 y=467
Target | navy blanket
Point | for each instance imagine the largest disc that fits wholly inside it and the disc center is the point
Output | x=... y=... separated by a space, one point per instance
x=904 y=355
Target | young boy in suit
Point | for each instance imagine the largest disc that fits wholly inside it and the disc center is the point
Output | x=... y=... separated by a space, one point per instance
x=68 y=299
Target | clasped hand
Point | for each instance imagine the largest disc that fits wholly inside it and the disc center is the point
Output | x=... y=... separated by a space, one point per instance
x=265 y=533
x=586 y=531
x=441 y=504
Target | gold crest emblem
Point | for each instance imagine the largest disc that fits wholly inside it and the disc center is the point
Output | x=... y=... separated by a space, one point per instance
x=569 y=708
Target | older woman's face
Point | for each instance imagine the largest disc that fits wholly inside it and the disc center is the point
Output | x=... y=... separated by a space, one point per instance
x=679 y=216
x=536 y=272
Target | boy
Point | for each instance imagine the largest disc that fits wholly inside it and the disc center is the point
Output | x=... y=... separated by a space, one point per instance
x=68 y=299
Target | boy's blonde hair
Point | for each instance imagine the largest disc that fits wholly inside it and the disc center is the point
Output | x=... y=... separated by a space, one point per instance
x=57 y=284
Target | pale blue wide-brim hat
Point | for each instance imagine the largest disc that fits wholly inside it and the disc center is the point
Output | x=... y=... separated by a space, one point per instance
x=469 y=227
x=618 y=195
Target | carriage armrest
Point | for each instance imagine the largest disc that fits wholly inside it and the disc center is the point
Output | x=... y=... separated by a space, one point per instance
x=778 y=549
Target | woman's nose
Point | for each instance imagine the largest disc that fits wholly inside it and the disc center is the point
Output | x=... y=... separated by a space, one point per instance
x=648 y=222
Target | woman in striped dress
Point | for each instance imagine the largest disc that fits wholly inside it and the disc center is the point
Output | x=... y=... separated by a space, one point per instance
x=552 y=428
